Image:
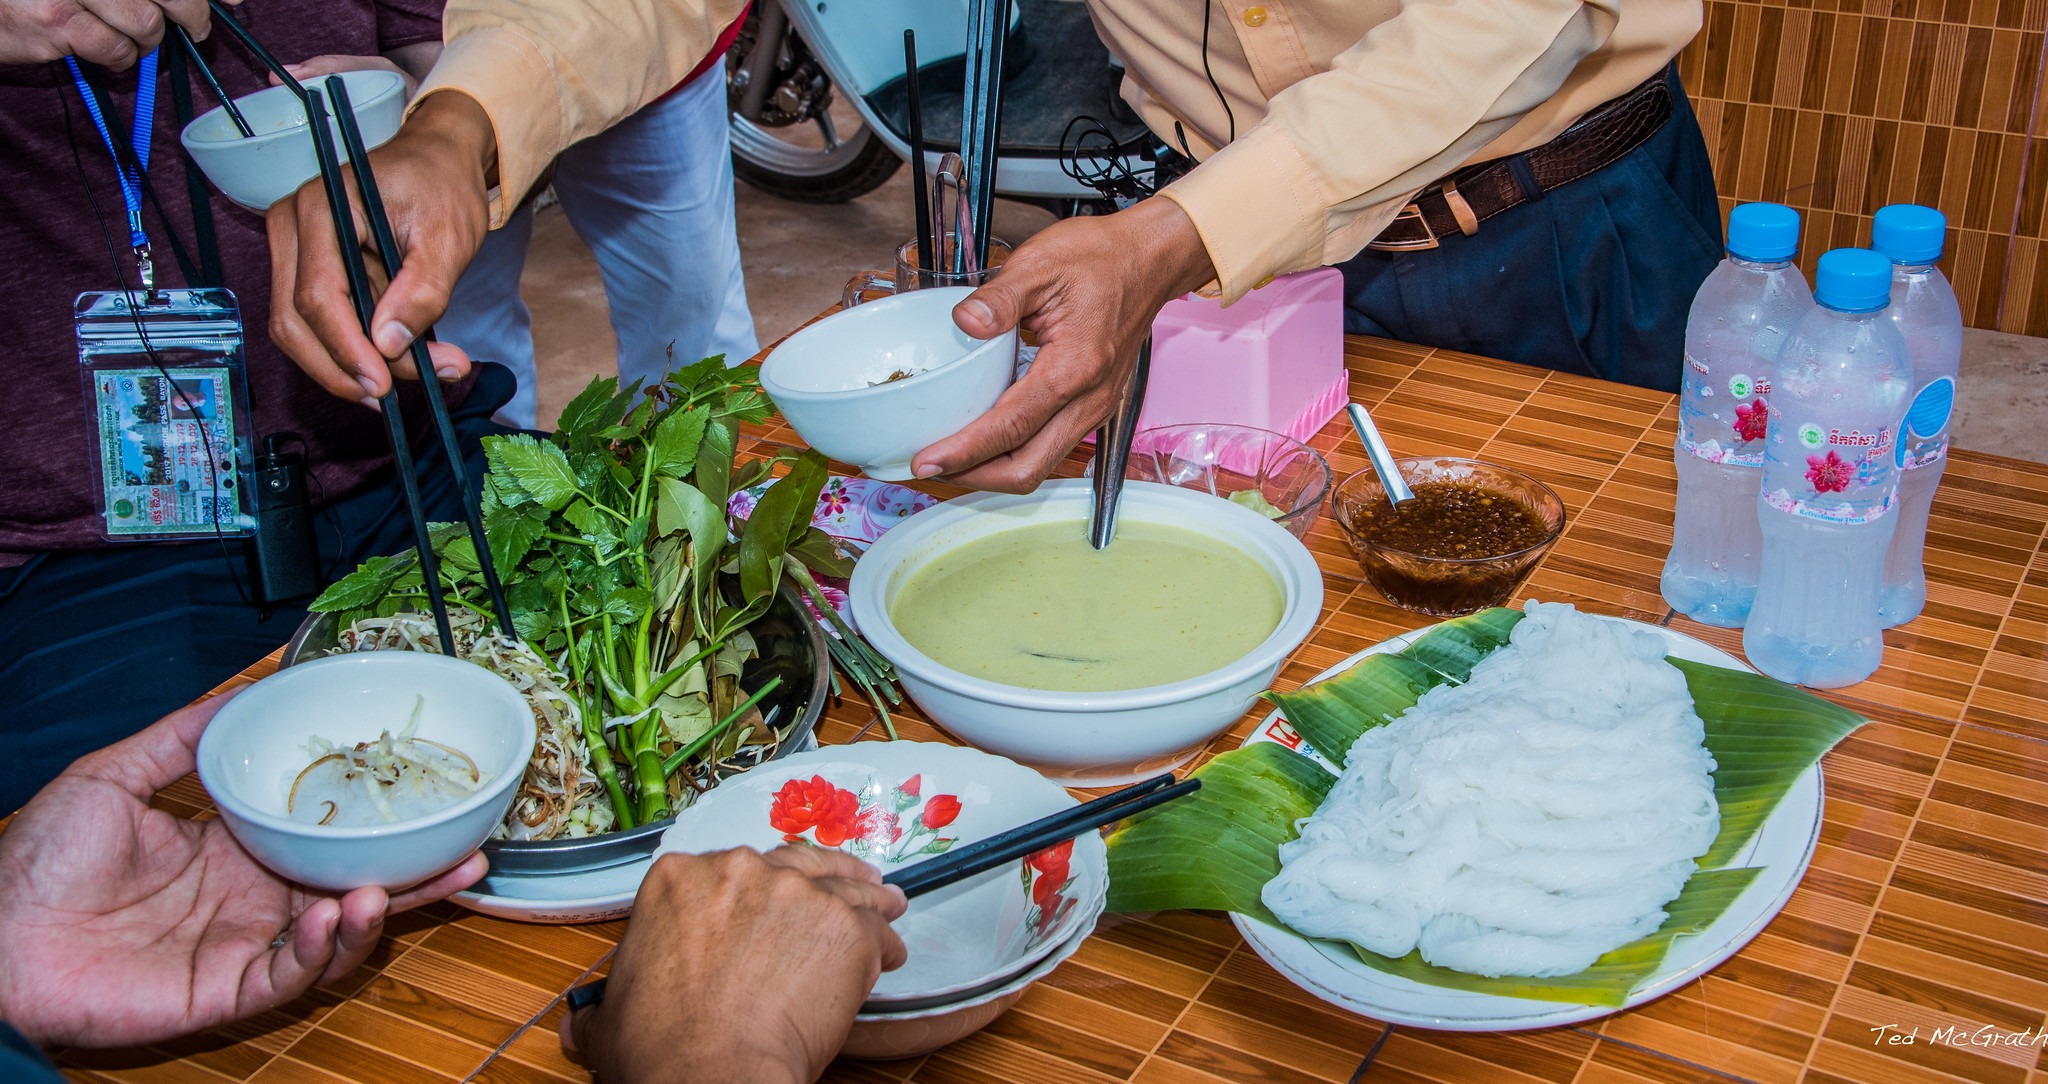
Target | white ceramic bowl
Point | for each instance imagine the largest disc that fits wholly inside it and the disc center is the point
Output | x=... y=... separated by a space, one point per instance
x=887 y=1036
x=962 y=938
x=257 y=171
x=831 y=380
x=256 y=746
x=1085 y=739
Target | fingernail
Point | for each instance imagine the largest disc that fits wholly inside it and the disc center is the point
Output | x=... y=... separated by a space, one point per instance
x=978 y=311
x=927 y=470
x=449 y=373
x=393 y=337
x=371 y=402
x=369 y=387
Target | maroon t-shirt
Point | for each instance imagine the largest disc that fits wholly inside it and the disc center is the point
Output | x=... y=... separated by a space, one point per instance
x=51 y=250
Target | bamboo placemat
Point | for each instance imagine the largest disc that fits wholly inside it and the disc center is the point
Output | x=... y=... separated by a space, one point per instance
x=1923 y=908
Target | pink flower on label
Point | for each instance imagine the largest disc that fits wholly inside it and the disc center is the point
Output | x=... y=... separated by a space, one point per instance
x=1830 y=473
x=1752 y=420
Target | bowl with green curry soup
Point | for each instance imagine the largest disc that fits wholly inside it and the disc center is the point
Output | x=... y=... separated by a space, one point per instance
x=1095 y=667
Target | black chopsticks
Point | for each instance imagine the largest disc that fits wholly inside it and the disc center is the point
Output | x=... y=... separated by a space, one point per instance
x=987 y=854
x=360 y=292
x=926 y=255
x=387 y=250
x=206 y=73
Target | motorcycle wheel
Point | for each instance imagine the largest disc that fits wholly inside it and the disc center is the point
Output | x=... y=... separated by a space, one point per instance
x=795 y=144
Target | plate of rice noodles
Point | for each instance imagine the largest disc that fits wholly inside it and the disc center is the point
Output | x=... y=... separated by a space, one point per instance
x=1518 y=819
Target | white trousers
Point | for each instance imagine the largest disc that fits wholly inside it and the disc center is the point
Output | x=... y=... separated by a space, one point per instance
x=653 y=199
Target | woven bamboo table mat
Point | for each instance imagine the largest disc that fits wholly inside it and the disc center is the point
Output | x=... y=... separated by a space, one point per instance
x=1924 y=907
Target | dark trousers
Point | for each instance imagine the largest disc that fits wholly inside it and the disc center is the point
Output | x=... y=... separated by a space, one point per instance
x=1593 y=277
x=97 y=644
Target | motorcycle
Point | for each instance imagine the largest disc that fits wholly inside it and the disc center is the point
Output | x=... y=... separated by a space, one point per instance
x=820 y=104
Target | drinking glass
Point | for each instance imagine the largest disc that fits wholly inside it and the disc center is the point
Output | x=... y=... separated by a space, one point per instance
x=911 y=272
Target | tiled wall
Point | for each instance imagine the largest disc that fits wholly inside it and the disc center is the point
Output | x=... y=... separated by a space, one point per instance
x=1839 y=107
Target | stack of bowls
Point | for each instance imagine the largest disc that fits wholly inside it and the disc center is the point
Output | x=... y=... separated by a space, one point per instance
x=975 y=946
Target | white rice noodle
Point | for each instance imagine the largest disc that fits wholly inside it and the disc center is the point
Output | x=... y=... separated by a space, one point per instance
x=1524 y=823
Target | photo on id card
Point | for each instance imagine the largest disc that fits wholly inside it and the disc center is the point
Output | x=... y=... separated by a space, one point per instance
x=164 y=383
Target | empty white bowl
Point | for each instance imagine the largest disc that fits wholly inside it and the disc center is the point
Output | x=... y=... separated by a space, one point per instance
x=1093 y=739
x=896 y=804
x=257 y=171
x=832 y=382
x=257 y=744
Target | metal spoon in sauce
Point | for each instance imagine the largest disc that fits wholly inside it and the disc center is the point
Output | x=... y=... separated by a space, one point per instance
x=1381 y=456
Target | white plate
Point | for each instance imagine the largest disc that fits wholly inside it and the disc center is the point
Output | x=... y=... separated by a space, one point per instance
x=1331 y=971
x=563 y=899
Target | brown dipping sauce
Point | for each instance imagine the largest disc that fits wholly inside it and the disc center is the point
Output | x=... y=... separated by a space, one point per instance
x=1453 y=520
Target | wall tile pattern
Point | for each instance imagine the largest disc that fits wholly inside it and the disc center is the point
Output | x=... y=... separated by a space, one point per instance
x=1839 y=107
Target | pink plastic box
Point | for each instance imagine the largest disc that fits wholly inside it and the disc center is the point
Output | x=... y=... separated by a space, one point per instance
x=1274 y=360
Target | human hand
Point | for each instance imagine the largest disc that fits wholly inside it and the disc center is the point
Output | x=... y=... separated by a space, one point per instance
x=433 y=177
x=1089 y=288
x=335 y=63
x=753 y=964
x=122 y=925
x=111 y=33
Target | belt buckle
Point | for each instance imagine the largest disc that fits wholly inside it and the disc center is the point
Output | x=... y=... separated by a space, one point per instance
x=1428 y=240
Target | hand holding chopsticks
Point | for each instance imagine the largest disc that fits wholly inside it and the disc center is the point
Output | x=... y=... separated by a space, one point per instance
x=342 y=213
x=998 y=850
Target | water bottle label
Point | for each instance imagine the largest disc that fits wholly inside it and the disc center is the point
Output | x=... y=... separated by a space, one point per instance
x=1924 y=435
x=1849 y=476
x=1728 y=431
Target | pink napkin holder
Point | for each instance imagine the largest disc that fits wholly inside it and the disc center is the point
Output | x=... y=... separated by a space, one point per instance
x=1274 y=360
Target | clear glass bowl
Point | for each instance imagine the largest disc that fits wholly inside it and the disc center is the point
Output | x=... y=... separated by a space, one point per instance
x=1266 y=471
x=1446 y=586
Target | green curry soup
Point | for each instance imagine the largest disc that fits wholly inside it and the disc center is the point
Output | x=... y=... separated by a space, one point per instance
x=1038 y=607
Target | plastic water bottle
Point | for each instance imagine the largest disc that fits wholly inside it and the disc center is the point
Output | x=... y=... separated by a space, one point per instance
x=1924 y=310
x=1831 y=480
x=1738 y=322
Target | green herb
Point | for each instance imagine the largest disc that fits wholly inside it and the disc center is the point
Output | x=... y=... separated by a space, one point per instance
x=619 y=565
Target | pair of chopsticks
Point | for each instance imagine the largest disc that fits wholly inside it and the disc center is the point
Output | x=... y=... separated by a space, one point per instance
x=980 y=857
x=981 y=115
x=365 y=304
x=1113 y=451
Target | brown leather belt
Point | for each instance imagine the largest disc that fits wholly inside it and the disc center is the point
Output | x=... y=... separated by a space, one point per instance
x=1461 y=201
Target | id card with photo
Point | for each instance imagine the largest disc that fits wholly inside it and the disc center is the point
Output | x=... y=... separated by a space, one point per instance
x=163 y=383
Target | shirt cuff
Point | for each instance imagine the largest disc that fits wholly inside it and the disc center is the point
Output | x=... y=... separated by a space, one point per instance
x=510 y=76
x=1259 y=207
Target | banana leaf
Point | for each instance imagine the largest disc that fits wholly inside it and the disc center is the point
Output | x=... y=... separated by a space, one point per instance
x=1250 y=801
x=1763 y=734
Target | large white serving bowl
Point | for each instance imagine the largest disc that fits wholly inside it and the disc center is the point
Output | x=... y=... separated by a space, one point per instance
x=1085 y=739
x=897 y=804
x=831 y=379
x=257 y=171
x=257 y=744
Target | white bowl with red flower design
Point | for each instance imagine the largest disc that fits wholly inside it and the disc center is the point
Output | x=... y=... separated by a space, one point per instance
x=895 y=804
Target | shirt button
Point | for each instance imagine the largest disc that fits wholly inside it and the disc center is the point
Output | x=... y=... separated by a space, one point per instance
x=1255 y=16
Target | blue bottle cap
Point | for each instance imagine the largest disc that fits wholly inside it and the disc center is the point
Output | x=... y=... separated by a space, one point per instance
x=1908 y=233
x=1853 y=280
x=1763 y=232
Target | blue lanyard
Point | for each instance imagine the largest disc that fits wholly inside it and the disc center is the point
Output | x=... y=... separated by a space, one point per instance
x=145 y=120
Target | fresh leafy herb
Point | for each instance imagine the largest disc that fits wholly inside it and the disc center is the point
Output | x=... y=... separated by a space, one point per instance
x=619 y=565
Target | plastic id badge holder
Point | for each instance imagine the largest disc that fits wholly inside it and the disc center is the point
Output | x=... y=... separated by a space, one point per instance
x=165 y=386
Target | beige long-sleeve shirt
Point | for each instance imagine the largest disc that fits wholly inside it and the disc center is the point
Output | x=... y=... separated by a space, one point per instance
x=1342 y=109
